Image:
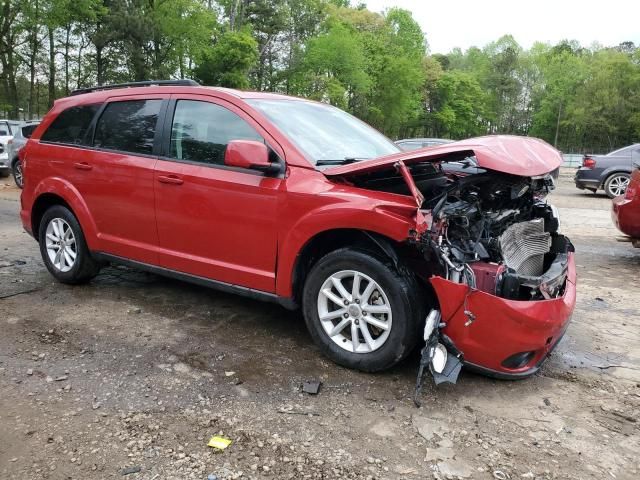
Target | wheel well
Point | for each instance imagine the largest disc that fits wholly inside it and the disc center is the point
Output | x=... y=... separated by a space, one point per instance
x=41 y=205
x=610 y=174
x=328 y=241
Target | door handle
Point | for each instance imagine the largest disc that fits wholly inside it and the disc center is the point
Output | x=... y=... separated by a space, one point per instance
x=82 y=166
x=170 y=179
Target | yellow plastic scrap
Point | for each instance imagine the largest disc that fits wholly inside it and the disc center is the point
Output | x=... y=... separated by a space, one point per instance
x=219 y=443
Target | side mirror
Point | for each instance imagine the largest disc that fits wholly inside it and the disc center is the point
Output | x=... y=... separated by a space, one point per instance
x=249 y=154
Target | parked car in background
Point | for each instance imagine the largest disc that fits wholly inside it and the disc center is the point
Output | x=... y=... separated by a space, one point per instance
x=409 y=144
x=7 y=130
x=610 y=172
x=625 y=209
x=299 y=203
x=15 y=144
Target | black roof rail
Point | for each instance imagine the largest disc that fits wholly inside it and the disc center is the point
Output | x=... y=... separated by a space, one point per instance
x=148 y=83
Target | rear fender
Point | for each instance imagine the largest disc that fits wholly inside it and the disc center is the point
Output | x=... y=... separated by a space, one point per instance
x=66 y=191
x=607 y=172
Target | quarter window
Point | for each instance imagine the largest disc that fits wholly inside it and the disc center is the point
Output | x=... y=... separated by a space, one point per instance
x=201 y=131
x=71 y=125
x=128 y=126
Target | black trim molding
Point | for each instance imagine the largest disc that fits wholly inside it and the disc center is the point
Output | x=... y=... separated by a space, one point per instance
x=286 y=302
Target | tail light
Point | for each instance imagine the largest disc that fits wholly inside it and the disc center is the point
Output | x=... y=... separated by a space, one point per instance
x=588 y=162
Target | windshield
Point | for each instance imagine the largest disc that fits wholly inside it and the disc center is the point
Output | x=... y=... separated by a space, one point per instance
x=327 y=135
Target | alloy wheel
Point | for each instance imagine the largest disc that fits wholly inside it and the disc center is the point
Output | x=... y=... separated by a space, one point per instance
x=61 y=245
x=354 y=311
x=618 y=185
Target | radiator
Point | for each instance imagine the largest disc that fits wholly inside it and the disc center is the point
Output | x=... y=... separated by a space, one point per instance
x=524 y=245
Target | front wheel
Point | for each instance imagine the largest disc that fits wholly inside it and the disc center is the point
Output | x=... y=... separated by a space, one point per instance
x=361 y=311
x=616 y=184
x=63 y=247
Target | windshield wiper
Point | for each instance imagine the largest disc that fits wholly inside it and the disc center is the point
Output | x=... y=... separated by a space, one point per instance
x=344 y=161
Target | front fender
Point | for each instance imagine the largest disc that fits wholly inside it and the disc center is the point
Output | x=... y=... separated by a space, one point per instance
x=65 y=190
x=391 y=221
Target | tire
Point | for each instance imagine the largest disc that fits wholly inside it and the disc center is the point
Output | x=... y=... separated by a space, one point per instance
x=399 y=293
x=16 y=169
x=616 y=184
x=83 y=268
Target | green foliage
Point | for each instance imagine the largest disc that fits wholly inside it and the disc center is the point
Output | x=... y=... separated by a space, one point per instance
x=228 y=62
x=374 y=65
x=458 y=106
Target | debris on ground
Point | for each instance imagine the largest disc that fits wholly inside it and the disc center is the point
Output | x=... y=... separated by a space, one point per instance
x=312 y=387
x=219 y=443
x=130 y=470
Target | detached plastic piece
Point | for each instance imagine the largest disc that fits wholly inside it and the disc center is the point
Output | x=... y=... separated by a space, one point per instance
x=219 y=443
x=450 y=373
x=312 y=387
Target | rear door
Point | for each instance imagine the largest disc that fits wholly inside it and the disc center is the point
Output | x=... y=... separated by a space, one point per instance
x=214 y=221
x=115 y=175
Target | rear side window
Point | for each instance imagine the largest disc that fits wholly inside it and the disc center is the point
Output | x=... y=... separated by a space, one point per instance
x=71 y=125
x=128 y=126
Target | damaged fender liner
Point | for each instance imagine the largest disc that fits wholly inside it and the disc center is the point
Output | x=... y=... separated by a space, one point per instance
x=504 y=328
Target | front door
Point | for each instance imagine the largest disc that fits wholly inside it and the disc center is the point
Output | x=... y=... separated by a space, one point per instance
x=214 y=221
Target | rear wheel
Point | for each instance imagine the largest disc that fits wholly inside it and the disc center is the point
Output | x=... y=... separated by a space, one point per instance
x=616 y=184
x=63 y=247
x=17 y=173
x=361 y=311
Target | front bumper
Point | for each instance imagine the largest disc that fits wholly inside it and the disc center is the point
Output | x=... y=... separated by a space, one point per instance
x=505 y=338
x=626 y=216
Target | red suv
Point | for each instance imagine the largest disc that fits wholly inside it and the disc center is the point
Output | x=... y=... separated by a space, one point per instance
x=297 y=202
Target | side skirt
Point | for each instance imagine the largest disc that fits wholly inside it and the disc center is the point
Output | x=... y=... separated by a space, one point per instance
x=285 y=302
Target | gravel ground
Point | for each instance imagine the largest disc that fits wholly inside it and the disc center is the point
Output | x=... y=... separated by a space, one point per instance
x=130 y=375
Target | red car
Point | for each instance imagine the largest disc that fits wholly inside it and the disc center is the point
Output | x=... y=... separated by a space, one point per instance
x=626 y=209
x=299 y=203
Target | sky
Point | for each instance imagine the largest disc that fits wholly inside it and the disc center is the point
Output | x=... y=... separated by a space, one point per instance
x=465 y=23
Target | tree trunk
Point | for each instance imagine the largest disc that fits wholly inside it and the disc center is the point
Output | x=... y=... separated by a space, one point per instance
x=555 y=141
x=13 y=86
x=67 y=42
x=52 y=68
x=99 y=65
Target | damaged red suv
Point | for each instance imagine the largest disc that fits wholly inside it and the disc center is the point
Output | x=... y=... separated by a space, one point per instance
x=299 y=203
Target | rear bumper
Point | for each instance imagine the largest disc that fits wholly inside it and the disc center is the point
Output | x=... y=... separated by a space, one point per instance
x=505 y=329
x=626 y=216
x=583 y=179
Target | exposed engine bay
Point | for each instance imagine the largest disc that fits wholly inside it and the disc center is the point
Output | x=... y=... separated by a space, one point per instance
x=490 y=230
x=488 y=243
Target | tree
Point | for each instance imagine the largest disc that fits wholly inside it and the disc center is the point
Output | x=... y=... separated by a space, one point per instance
x=229 y=61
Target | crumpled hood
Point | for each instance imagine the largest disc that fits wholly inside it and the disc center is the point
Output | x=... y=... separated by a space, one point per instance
x=524 y=156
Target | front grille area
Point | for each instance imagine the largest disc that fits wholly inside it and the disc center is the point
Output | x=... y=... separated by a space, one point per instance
x=524 y=245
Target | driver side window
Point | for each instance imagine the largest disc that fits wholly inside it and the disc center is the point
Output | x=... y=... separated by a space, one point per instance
x=201 y=131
